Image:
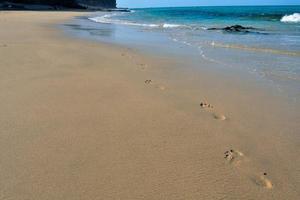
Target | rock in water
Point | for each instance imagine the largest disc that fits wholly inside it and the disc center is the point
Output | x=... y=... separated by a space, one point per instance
x=234 y=29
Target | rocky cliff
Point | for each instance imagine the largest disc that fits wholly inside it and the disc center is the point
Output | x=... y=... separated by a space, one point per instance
x=97 y=3
x=60 y=3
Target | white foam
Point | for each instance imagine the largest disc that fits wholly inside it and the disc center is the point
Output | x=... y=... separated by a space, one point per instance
x=294 y=18
x=107 y=19
x=171 y=25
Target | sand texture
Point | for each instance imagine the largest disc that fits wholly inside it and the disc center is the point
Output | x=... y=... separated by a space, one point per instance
x=84 y=120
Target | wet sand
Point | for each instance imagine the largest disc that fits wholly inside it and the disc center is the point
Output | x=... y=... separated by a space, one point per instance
x=85 y=120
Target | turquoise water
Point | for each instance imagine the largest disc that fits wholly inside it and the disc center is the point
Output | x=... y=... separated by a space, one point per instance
x=271 y=23
x=211 y=16
x=269 y=48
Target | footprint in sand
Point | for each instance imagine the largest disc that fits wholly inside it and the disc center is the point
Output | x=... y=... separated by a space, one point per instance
x=219 y=116
x=150 y=82
x=126 y=55
x=142 y=66
x=161 y=87
x=236 y=158
x=3 y=45
x=209 y=107
x=262 y=180
x=205 y=105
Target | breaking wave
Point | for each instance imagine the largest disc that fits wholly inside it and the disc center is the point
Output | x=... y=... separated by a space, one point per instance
x=294 y=18
x=107 y=19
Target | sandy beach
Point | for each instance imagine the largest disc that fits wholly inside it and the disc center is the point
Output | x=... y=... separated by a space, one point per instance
x=87 y=120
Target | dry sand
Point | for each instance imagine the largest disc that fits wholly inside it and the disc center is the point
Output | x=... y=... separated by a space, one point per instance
x=84 y=120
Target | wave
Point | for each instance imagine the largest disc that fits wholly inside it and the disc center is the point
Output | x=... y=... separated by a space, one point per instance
x=107 y=19
x=171 y=25
x=294 y=18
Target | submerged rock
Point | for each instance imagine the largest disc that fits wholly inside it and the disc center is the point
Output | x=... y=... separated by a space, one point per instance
x=234 y=29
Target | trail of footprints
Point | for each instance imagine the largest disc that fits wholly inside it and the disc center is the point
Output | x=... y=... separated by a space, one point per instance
x=233 y=157
x=238 y=160
x=142 y=66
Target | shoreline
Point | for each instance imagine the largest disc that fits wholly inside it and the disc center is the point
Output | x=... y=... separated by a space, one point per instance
x=218 y=56
x=83 y=119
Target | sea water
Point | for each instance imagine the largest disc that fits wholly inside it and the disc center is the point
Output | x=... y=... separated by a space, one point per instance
x=268 y=48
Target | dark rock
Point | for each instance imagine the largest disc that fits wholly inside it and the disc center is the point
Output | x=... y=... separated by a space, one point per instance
x=234 y=29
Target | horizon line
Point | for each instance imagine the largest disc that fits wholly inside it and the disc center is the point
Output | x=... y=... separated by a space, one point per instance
x=211 y=6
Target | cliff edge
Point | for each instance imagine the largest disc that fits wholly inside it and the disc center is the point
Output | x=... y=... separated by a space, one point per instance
x=57 y=4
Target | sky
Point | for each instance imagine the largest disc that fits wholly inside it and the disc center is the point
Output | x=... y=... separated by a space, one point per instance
x=168 y=3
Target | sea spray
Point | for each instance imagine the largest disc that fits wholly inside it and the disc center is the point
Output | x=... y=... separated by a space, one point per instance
x=294 y=18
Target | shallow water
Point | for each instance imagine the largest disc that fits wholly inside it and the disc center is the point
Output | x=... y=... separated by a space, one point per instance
x=269 y=49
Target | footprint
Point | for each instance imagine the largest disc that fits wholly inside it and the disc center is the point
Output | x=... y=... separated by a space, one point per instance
x=126 y=55
x=161 y=87
x=262 y=180
x=234 y=157
x=219 y=116
x=143 y=66
x=205 y=105
x=150 y=82
x=210 y=107
x=3 y=45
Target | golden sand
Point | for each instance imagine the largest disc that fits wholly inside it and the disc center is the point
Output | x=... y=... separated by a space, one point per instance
x=84 y=120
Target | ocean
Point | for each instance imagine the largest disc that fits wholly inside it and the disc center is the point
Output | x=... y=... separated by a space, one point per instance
x=261 y=40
